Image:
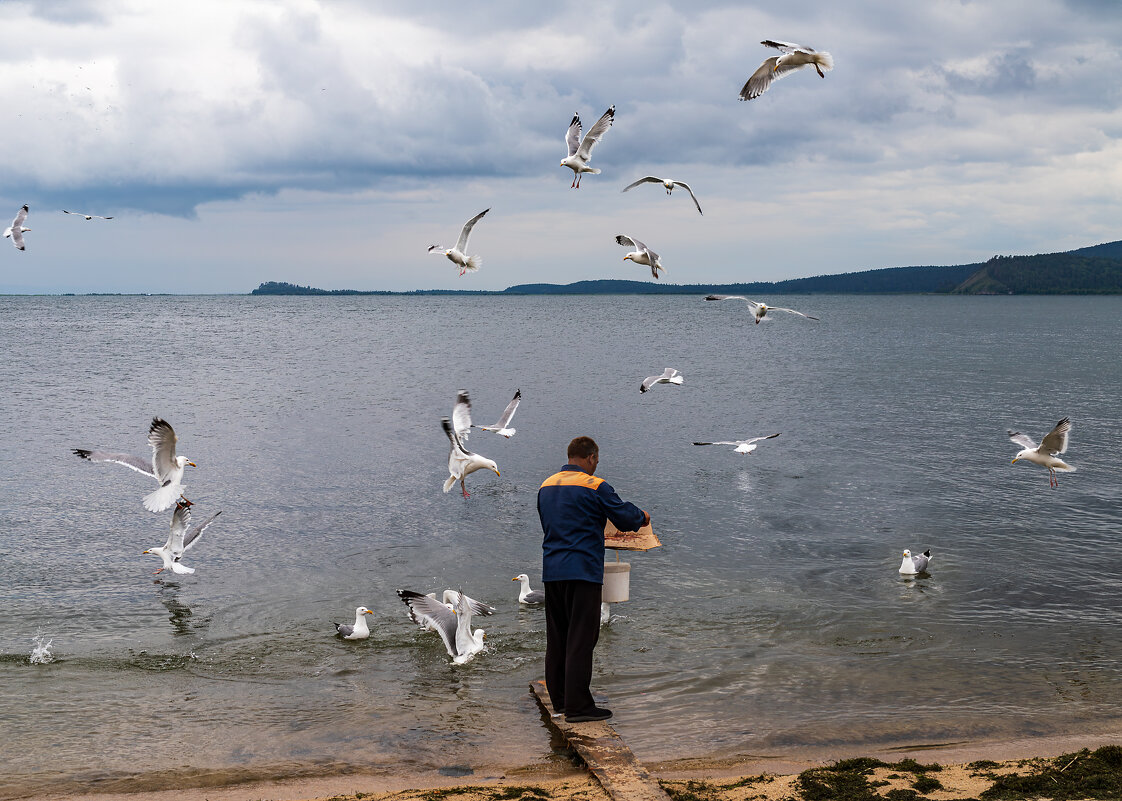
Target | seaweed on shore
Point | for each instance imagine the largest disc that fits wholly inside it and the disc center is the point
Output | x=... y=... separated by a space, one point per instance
x=1081 y=775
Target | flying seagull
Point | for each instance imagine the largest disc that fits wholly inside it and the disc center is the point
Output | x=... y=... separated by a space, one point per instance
x=760 y=310
x=16 y=229
x=458 y=255
x=669 y=376
x=793 y=57
x=1055 y=441
x=359 y=631
x=742 y=445
x=525 y=594
x=180 y=539
x=453 y=625
x=502 y=427
x=669 y=184
x=580 y=150
x=87 y=216
x=911 y=565
x=461 y=461
x=164 y=465
x=642 y=254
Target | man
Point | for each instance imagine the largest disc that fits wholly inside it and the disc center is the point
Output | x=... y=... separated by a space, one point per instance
x=573 y=506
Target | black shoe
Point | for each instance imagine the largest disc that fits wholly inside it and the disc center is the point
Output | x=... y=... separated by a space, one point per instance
x=596 y=713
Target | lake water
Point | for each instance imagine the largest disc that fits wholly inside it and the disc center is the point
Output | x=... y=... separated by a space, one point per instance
x=772 y=620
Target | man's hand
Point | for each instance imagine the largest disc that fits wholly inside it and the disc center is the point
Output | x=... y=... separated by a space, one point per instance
x=646 y=518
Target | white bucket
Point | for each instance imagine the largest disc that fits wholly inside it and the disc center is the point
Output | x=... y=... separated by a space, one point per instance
x=617 y=582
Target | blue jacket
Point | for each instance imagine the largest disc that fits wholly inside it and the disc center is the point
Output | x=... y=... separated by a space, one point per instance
x=573 y=507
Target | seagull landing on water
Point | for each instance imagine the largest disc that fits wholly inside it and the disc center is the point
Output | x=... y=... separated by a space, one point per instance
x=453 y=625
x=759 y=310
x=359 y=631
x=580 y=150
x=669 y=376
x=912 y=565
x=502 y=428
x=642 y=254
x=525 y=594
x=461 y=461
x=164 y=465
x=458 y=255
x=16 y=229
x=794 y=57
x=87 y=216
x=180 y=539
x=1055 y=441
x=668 y=184
x=742 y=445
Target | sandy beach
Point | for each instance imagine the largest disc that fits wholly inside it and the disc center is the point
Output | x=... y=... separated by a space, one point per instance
x=961 y=770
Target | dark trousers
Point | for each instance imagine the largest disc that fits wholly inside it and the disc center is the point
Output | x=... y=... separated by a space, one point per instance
x=572 y=627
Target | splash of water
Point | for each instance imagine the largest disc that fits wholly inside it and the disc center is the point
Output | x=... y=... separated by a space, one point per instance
x=41 y=653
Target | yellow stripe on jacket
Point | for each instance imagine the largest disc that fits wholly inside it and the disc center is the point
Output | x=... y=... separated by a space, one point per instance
x=573 y=478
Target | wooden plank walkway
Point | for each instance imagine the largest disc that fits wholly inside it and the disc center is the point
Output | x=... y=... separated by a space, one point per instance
x=606 y=755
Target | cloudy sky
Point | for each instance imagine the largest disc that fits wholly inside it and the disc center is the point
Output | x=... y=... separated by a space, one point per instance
x=329 y=143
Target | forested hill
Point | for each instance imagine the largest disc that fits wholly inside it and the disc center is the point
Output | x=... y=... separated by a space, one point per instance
x=1091 y=270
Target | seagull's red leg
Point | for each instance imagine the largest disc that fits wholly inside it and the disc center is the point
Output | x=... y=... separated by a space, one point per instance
x=464 y=489
x=574 y=183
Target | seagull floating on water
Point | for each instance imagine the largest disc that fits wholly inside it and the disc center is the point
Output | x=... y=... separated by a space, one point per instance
x=502 y=428
x=525 y=594
x=580 y=150
x=458 y=255
x=164 y=465
x=669 y=376
x=453 y=625
x=742 y=445
x=759 y=310
x=87 y=216
x=642 y=254
x=359 y=631
x=1055 y=441
x=669 y=185
x=180 y=538
x=911 y=565
x=16 y=229
x=461 y=461
x=793 y=57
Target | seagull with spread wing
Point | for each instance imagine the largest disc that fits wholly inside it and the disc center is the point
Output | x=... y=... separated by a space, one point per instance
x=669 y=376
x=759 y=310
x=502 y=428
x=181 y=539
x=452 y=624
x=669 y=185
x=742 y=445
x=458 y=255
x=16 y=229
x=642 y=254
x=461 y=461
x=580 y=150
x=1054 y=442
x=87 y=216
x=164 y=465
x=792 y=57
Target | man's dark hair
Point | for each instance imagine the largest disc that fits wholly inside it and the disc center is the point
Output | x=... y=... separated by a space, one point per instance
x=582 y=448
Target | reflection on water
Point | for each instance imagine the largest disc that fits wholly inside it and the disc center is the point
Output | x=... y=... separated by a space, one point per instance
x=773 y=617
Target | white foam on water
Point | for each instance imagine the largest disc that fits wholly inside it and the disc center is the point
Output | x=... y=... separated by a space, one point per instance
x=41 y=653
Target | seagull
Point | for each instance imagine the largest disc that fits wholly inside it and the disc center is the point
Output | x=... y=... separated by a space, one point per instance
x=458 y=255
x=164 y=465
x=502 y=427
x=580 y=150
x=760 y=310
x=669 y=376
x=1055 y=441
x=526 y=595
x=461 y=461
x=794 y=57
x=642 y=254
x=180 y=539
x=453 y=625
x=669 y=184
x=915 y=564
x=87 y=216
x=16 y=229
x=359 y=631
x=742 y=445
